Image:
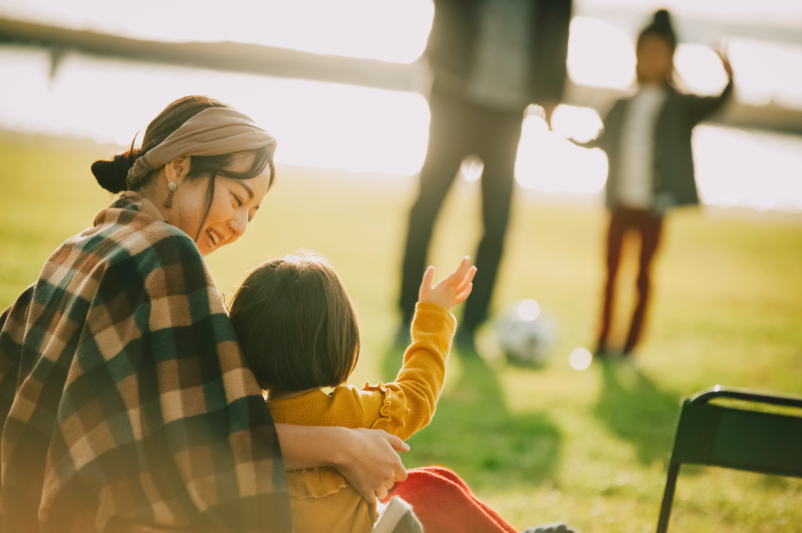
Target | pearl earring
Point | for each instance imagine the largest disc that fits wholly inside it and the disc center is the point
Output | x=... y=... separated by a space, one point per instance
x=171 y=188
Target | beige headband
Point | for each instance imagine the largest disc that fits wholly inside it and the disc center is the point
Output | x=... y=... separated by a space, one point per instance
x=213 y=131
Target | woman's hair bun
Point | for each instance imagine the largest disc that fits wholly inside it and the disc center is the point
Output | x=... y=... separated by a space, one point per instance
x=112 y=175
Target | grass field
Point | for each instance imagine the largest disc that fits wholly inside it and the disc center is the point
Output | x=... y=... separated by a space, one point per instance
x=539 y=445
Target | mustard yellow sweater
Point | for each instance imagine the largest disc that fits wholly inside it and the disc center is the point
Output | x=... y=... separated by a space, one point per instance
x=322 y=500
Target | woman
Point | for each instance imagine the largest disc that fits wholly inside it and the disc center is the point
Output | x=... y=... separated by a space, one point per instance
x=125 y=403
x=648 y=142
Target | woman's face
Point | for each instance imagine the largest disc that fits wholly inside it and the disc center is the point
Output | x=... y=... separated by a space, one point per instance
x=655 y=60
x=234 y=205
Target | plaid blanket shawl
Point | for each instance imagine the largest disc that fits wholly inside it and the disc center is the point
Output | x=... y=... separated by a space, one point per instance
x=125 y=402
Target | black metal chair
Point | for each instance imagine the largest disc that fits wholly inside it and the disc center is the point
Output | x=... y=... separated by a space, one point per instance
x=753 y=441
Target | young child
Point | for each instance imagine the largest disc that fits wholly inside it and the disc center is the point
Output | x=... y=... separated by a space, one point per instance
x=298 y=330
x=647 y=138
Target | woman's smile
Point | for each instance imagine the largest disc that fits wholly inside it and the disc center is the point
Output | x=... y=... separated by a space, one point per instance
x=234 y=203
x=214 y=237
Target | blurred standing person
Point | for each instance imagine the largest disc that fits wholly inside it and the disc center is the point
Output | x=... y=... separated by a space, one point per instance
x=490 y=58
x=648 y=142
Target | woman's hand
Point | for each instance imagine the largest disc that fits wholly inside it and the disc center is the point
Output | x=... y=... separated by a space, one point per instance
x=370 y=463
x=452 y=290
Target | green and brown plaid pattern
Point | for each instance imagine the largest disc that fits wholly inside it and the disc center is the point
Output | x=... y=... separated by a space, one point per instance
x=125 y=402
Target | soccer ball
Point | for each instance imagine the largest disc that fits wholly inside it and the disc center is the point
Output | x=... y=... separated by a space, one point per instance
x=526 y=333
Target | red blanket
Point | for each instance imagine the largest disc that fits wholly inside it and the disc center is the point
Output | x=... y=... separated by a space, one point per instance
x=445 y=504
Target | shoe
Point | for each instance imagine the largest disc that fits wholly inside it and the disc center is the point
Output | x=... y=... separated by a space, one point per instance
x=557 y=527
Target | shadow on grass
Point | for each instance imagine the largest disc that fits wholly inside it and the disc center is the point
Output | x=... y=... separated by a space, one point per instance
x=635 y=409
x=475 y=435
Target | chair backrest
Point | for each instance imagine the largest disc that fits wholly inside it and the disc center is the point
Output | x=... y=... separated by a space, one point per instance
x=753 y=441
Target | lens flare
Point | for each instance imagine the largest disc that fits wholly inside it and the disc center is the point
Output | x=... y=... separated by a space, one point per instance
x=528 y=310
x=580 y=358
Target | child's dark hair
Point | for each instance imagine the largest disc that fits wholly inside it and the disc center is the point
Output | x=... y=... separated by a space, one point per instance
x=296 y=324
x=660 y=27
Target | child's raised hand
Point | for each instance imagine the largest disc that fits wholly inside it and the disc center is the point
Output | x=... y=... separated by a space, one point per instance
x=725 y=60
x=450 y=291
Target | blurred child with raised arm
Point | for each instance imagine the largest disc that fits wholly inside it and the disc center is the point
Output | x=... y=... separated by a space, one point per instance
x=647 y=138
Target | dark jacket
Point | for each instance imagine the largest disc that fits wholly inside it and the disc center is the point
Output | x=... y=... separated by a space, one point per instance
x=674 y=182
x=451 y=48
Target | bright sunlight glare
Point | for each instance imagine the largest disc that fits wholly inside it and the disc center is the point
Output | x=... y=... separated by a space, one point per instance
x=579 y=123
x=755 y=170
x=782 y=13
x=603 y=55
x=580 y=358
x=318 y=124
x=331 y=125
x=767 y=72
x=699 y=68
x=549 y=162
x=369 y=130
x=600 y=55
x=390 y=30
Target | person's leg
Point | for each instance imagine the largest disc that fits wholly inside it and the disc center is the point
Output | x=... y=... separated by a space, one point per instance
x=443 y=502
x=649 y=227
x=498 y=149
x=615 y=239
x=556 y=527
x=452 y=477
x=443 y=157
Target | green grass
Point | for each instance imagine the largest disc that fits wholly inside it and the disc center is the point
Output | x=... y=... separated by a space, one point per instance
x=539 y=445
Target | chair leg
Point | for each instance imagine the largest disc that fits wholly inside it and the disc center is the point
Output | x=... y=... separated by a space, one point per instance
x=668 y=498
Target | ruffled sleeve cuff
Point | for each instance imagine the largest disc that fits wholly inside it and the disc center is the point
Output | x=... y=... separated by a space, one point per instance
x=394 y=407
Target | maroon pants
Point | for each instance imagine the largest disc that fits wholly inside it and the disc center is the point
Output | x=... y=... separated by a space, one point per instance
x=649 y=226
